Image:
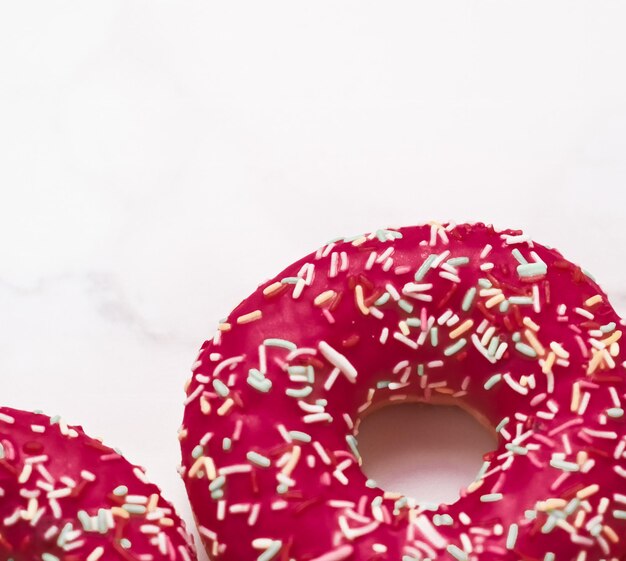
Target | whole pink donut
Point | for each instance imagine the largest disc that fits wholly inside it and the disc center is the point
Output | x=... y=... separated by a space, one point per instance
x=66 y=497
x=471 y=315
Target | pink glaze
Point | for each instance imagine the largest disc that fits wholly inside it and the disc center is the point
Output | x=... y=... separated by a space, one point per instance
x=502 y=326
x=67 y=497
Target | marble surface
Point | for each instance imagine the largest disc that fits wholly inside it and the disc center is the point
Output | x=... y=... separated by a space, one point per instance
x=159 y=160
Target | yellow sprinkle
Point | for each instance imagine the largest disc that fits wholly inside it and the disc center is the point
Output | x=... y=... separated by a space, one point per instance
x=559 y=350
x=404 y=328
x=588 y=491
x=293 y=461
x=225 y=407
x=615 y=336
x=565 y=525
x=581 y=457
x=209 y=468
x=530 y=323
x=474 y=485
x=549 y=363
x=467 y=324
x=495 y=300
x=359 y=241
x=593 y=301
x=534 y=342
x=268 y=290
x=595 y=362
x=575 y=403
x=224 y=326
x=165 y=521
x=205 y=405
x=324 y=297
x=551 y=504
x=195 y=468
x=358 y=294
x=252 y=316
x=153 y=502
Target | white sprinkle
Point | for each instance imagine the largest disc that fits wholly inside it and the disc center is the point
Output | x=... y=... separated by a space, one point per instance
x=337 y=359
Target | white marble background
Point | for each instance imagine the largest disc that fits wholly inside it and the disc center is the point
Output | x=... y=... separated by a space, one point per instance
x=159 y=159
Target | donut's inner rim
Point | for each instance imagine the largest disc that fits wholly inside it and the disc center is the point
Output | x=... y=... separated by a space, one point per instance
x=435 y=401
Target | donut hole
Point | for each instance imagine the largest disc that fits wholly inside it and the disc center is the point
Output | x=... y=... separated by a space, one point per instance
x=427 y=452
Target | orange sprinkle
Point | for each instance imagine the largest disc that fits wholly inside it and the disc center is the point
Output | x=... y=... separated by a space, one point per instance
x=549 y=363
x=360 y=302
x=593 y=301
x=575 y=403
x=119 y=512
x=224 y=326
x=534 y=342
x=588 y=491
x=467 y=324
x=324 y=297
x=270 y=289
x=225 y=407
x=495 y=300
x=530 y=323
x=610 y=533
x=580 y=518
x=252 y=316
x=616 y=336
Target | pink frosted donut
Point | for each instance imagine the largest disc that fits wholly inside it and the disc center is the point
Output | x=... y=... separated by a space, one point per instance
x=67 y=497
x=470 y=315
